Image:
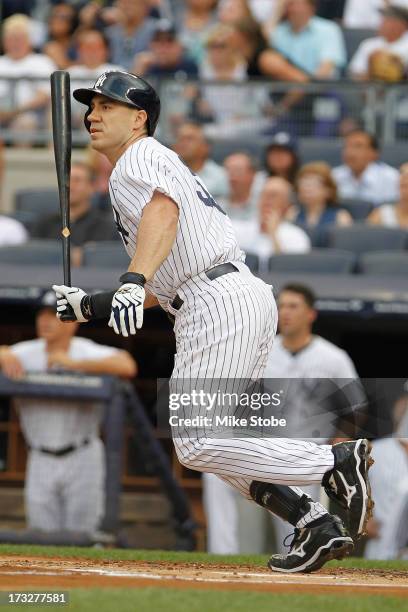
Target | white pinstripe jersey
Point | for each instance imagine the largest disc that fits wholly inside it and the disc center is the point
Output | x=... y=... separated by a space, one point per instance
x=205 y=236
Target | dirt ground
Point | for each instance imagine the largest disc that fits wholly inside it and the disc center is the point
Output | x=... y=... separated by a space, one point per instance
x=16 y=572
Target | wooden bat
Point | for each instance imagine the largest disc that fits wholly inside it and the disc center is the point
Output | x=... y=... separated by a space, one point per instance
x=62 y=136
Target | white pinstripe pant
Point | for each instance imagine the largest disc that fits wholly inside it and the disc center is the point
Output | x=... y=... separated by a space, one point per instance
x=225 y=329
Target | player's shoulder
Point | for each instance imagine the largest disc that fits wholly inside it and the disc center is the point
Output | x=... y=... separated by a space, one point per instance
x=27 y=347
x=325 y=347
x=278 y=344
x=145 y=154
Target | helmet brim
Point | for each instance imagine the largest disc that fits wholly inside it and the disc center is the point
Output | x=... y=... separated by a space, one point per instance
x=85 y=95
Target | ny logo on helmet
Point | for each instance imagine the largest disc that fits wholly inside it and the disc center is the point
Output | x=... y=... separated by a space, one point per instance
x=101 y=80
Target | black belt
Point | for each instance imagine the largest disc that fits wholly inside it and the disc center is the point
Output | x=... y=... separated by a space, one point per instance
x=65 y=450
x=212 y=274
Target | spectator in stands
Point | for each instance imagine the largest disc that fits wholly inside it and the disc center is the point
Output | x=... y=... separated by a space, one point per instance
x=394 y=215
x=317 y=198
x=65 y=476
x=11 y=231
x=62 y=23
x=242 y=184
x=363 y=176
x=228 y=110
x=132 y=34
x=281 y=157
x=196 y=20
x=87 y=223
x=20 y=107
x=232 y=11
x=194 y=149
x=388 y=529
x=365 y=14
x=270 y=233
x=384 y=57
x=223 y=61
x=313 y=44
x=263 y=10
x=93 y=55
x=166 y=56
x=261 y=60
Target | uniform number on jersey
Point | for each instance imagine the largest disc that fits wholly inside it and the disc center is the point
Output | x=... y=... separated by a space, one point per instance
x=202 y=193
x=123 y=233
x=206 y=197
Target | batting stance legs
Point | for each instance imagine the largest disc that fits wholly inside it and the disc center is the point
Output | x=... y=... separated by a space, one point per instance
x=228 y=334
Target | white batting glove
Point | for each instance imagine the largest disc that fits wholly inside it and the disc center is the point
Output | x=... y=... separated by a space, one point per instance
x=74 y=297
x=127 y=309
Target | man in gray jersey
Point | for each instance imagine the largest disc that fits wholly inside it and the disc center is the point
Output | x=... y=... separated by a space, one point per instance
x=184 y=256
x=65 y=476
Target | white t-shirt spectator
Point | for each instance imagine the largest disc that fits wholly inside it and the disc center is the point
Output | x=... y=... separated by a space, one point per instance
x=33 y=65
x=379 y=183
x=292 y=239
x=366 y=13
x=11 y=232
x=359 y=64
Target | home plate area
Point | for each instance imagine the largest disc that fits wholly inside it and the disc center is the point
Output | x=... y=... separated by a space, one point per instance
x=16 y=572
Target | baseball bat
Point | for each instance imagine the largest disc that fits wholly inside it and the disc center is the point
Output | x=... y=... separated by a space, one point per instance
x=62 y=136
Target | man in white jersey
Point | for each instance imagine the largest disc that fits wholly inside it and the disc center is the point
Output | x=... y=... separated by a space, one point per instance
x=184 y=256
x=65 y=476
x=311 y=364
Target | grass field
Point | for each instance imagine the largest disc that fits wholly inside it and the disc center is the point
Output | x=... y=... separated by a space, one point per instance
x=170 y=597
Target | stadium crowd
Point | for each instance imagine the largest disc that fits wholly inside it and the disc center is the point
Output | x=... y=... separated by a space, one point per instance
x=223 y=56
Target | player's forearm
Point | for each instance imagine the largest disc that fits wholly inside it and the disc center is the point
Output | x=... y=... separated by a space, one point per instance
x=156 y=235
x=121 y=364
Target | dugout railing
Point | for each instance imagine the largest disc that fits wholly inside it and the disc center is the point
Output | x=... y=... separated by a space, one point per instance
x=120 y=402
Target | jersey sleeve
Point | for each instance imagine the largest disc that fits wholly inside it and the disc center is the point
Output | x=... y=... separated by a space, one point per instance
x=149 y=171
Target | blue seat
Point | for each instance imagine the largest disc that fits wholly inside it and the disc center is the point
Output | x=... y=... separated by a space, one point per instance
x=38 y=201
x=252 y=261
x=358 y=209
x=394 y=154
x=105 y=254
x=361 y=238
x=34 y=252
x=387 y=263
x=320 y=149
x=318 y=261
x=317 y=234
x=220 y=149
x=354 y=36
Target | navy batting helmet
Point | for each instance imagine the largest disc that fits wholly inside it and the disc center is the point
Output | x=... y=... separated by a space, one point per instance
x=123 y=87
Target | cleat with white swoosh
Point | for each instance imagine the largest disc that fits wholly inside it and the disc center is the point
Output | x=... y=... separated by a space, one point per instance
x=348 y=483
x=312 y=547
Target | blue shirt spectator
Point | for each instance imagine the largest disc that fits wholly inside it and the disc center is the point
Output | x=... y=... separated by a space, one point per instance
x=133 y=34
x=313 y=44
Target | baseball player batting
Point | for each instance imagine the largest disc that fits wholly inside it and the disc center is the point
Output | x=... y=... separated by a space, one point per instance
x=184 y=256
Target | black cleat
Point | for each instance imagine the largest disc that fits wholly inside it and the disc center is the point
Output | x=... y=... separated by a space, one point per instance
x=312 y=547
x=348 y=484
